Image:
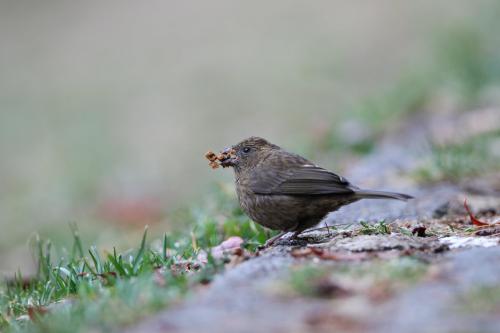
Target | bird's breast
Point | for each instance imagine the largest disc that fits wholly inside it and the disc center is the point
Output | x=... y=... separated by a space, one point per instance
x=245 y=196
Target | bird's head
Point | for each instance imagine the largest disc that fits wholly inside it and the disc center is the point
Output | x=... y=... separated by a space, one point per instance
x=248 y=153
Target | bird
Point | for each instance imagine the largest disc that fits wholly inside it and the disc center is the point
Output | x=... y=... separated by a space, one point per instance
x=284 y=191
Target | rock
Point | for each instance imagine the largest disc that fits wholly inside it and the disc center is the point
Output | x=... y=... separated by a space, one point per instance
x=379 y=243
x=443 y=305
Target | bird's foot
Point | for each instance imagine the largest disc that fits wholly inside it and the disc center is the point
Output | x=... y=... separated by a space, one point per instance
x=292 y=240
x=273 y=240
x=295 y=240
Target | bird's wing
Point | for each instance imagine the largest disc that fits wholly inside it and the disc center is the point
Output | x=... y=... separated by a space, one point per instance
x=303 y=179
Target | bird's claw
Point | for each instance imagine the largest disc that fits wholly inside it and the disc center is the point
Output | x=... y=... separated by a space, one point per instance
x=271 y=241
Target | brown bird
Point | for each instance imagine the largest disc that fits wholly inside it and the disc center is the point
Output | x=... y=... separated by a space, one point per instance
x=284 y=191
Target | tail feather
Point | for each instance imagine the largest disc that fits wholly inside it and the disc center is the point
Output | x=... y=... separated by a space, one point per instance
x=369 y=194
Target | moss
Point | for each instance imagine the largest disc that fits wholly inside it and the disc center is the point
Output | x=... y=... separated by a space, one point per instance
x=481 y=299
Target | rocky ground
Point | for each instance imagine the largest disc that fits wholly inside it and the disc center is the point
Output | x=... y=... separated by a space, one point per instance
x=426 y=268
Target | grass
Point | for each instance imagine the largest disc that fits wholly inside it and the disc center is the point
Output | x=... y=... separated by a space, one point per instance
x=464 y=70
x=455 y=162
x=373 y=115
x=467 y=61
x=92 y=290
x=379 y=228
x=463 y=65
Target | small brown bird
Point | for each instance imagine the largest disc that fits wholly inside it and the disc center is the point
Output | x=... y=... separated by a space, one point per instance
x=284 y=191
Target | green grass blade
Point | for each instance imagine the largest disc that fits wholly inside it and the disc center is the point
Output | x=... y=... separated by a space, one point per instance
x=77 y=245
x=140 y=253
x=96 y=259
x=117 y=263
x=164 y=248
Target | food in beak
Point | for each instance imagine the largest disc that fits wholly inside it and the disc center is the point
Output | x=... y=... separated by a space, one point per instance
x=223 y=159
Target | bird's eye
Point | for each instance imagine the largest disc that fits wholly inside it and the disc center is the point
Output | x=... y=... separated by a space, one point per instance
x=246 y=150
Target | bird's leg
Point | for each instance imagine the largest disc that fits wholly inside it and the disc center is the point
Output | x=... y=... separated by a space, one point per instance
x=294 y=238
x=273 y=239
x=296 y=233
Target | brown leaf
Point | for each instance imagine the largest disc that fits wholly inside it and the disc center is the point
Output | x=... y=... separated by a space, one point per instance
x=301 y=252
x=473 y=219
x=419 y=231
x=327 y=255
x=34 y=312
x=232 y=245
x=344 y=256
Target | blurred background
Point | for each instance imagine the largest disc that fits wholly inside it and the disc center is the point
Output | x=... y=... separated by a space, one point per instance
x=107 y=108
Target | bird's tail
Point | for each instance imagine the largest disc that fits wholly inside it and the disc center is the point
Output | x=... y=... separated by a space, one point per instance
x=369 y=194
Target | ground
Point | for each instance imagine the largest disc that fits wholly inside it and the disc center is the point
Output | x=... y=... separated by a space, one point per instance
x=426 y=265
x=425 y=268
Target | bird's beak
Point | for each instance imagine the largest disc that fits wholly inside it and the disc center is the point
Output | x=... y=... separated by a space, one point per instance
x=230 y=158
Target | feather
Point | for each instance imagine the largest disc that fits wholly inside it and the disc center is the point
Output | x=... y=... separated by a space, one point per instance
x=304 y=179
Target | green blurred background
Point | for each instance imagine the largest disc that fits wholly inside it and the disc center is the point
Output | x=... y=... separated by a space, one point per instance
x=107 y=108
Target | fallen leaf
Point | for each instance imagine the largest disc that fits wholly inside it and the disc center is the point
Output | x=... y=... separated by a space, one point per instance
x=473 y=219
x=231 y=245
x=107 y=277
x=419 y=231
x=344 y=256
x=327 y=255
x=34 y=312
x=301 y=252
